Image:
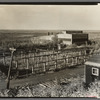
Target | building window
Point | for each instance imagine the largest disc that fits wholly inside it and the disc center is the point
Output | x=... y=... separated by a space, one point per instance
x=95 y=71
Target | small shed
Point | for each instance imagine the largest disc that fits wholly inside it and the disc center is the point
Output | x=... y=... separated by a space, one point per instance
x=92 y=69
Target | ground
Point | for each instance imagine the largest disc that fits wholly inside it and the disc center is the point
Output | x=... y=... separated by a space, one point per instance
x=35 y=79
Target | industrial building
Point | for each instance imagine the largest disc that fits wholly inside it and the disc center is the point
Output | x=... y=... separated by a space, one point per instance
x=73 y=37
x=67 y=37
x=92 y=69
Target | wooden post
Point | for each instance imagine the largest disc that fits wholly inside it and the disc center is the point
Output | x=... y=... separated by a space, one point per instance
x=24 y=57
x=56 y=59
x=29 y=53
x=21 y=54
x=44 y=69
x=16 y=64
x=14 y=58
x=37 y=65
x=79 y=57
x=76 y=60
x=59 y=47
x=55 y=64
x=9 y=71
x=84 y=59
x=67 y=60
x=27 y=64
x=33 y=64
x=33 y=57
x=33 y=69
x=17 y=72
x=72 y=61
x=46 y=58
x=79 y=53
x=85 y=52
x=4 y=59
x=27 y=67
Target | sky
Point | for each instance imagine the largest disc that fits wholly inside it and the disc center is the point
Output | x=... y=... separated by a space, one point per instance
x=50 y=17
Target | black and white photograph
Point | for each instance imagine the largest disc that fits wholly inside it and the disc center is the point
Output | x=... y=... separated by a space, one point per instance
x=50 y=51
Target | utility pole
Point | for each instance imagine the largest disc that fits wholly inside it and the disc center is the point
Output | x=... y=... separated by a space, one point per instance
x=9 y=71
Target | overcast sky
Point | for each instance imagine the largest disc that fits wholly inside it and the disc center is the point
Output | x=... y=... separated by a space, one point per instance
x=52 y=17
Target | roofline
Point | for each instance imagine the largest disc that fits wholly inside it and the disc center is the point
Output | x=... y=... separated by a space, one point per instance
x=92 y=64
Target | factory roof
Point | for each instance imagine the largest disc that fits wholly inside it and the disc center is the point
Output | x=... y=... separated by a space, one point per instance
x=73 y=32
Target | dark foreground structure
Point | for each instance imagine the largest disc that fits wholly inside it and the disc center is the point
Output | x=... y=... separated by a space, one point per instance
x=92 y=69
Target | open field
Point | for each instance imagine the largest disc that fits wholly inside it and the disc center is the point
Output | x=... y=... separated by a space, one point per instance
x=19 y=38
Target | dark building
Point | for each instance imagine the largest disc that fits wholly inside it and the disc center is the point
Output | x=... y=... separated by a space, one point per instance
x=92 y=69
x=79 y=38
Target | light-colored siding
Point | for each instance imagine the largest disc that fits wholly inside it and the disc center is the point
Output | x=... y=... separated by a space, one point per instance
x=66 y=38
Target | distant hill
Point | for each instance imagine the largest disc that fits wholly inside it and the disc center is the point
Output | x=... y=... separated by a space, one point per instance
x=26 y=33
x=34 y=33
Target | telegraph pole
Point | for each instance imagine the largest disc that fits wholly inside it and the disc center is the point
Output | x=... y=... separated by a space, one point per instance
x=9 y=71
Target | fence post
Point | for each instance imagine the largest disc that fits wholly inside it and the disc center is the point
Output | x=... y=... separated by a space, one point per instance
x=4 y=62
x=72 y=61
x=56 y=59
x=27 y=63
x=29 y=53
x=24 y=57
x=37 y=65
x=76 y=60
x=27 y=66
x=55 y=64
x=44 y=69
x=33 y=69
x=84 y=59
x=85 y=52
x=17 y=68
x=67 y=60
x=33 y=57
x=84 y=56
x=79 y=53
x=21 y=54
x=14 y=58
x=33 y=64
x=16 y=64
x=79 y=57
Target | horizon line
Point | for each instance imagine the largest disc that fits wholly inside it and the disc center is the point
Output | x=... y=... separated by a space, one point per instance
x=49 y=29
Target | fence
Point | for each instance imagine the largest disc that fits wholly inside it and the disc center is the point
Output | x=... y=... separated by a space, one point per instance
x=45 y=61
x=25 y=64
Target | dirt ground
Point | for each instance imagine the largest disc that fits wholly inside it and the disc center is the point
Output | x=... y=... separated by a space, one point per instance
x=40 y=78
